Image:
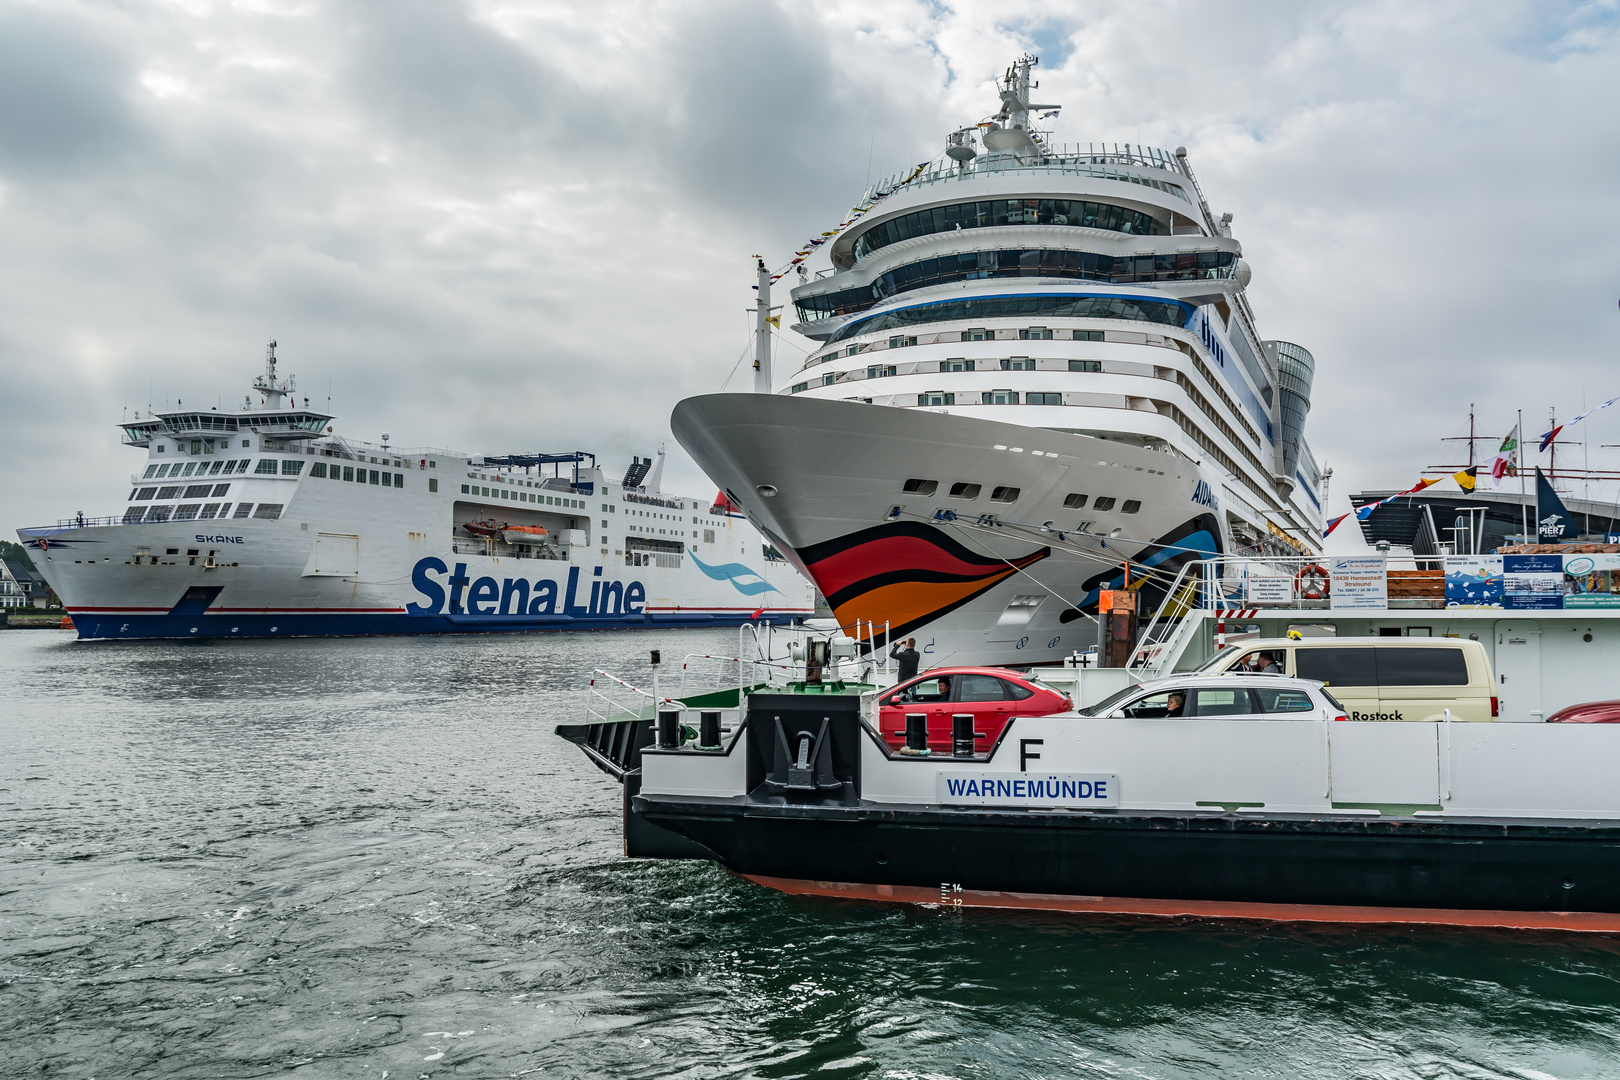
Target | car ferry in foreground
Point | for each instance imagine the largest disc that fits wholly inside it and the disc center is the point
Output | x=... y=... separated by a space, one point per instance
x=264 y=522
x=1035 y=376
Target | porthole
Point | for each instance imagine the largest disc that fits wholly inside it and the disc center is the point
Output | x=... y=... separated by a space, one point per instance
x=1104 y=502
x=971 y=491
x=766 y=491
x=920 y=487
x=1004 y=494
x=1074 y=501
x=1131 y=506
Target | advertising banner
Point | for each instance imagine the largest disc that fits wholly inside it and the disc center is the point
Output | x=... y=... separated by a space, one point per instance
x=1474 y=581
x=1532 y=582
x=1592 y=581
x=1359 y=581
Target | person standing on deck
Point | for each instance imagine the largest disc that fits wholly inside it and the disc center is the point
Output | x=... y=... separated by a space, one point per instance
x=907 y=657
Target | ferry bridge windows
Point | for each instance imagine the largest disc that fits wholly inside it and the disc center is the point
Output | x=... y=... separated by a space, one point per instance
x=247 y=444
x=956 y=365
x=1131 y=506
x=187 y=511
x=1017 y=363
x=172 y=492
x=191 y=467
x=925 y=488
x=1104 y=503
x=982 y=214
x=266 y=467
x=317 y=470
x=218 y=465
x=145 y=493
x=1004 y=494
x=243 y=510
x=1074 y=501
x=964 y=491
x=151 y=470
x=158 y=513
x=936 y=397
x=290 y=467
x=134 y=514
x=1035 y=333
x=1085 y=365
x=1088 y=335
x=267 y=511
x=999 y=397
x=1043 y=399
x=209 y=510
x=198 y=491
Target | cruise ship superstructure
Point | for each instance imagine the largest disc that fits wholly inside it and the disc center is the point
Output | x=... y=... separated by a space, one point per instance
x=262 y=521
x=1036 y=376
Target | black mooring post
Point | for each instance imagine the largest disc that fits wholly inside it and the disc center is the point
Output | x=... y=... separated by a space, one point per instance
x=962 y=735
x=669 y=729
x=916 y=732
x=708 y=731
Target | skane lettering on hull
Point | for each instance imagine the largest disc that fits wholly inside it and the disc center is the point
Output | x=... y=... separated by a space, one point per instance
x=1077 y=790
x=201 y=539
x=451 y=592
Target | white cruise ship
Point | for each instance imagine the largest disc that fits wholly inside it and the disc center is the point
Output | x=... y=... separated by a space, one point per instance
x=1036 y=372
x=263 y=522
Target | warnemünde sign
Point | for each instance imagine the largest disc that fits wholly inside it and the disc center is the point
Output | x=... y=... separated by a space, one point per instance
x=1079 y=790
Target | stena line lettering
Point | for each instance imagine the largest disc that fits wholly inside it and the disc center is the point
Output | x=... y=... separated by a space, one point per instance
x=1078 y=791
x=447 y=591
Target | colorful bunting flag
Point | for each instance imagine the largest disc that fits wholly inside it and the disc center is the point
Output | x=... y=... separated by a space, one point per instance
x=1548 y=436
x=1507 y=457
x=1467 y=478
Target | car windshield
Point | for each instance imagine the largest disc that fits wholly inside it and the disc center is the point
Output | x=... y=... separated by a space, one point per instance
x=1108 y=703
x=1220 y=656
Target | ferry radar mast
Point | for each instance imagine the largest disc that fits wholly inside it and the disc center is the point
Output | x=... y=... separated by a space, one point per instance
x=762 y=331
x=267 y=384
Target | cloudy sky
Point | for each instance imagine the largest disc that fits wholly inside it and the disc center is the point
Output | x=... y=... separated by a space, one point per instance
x=508 y=226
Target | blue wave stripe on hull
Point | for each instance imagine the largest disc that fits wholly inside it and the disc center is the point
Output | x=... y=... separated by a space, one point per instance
x=92 y=626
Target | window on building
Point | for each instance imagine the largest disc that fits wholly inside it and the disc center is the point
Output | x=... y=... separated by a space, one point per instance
x=171 y=492
x=956 y=365
x=464 y=490
x=187 y=511
x=851 y=350
x=1085 y=365
x=800 y=387
x=242 y=466
x=1043 y=399
x=267 y=511
x=999 y=397
x=399 y=480
x=197 y=491
x=209 y=511
x=134 y=514
x=151 y=470
x=708 y=536
x=158 y=513
x=1004 y=494
x=265 y=467
x=317 y=470
x=1017 y=363
x=1104 y=502
x=829 y=378
x=145 y=493
x=936 y=397
x=1131 y=506
x=1074 y=501
x=978 y=335
x=915 y=486
x=290 y=467
x=374 y=476
x=218 y=465
x=1088 y=335
x=191 y=467
x=964 y=491
x=1035 y=333
x=901 y=342
x=878 y=371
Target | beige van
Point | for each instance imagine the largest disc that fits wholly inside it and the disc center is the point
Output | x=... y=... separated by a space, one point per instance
x=1379 y=678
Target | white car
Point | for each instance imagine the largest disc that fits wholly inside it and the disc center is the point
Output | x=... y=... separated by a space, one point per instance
x=1222 y=697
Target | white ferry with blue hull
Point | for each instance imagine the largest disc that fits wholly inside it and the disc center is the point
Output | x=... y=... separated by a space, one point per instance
x=263 y=522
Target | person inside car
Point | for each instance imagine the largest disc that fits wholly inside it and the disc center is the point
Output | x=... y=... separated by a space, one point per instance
x=1177 y=704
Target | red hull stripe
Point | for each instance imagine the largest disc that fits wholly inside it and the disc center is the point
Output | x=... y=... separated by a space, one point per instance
x=1584 y=921
x=836 y=572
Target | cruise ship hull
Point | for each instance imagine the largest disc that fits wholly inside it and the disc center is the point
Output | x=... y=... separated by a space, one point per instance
x=977 y=579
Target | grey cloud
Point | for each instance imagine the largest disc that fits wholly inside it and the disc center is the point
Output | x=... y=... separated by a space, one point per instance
x=63 y=87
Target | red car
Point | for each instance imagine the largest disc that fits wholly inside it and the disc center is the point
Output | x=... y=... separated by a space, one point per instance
x=992 y=695
x=1592 y=712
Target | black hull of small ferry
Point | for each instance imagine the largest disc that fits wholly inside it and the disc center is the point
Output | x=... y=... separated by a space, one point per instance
x=1205 y=863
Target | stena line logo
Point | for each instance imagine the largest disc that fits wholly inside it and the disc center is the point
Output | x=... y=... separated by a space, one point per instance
x=453 y=593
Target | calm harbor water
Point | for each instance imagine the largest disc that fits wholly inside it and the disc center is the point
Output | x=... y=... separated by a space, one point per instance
x=372 y=858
